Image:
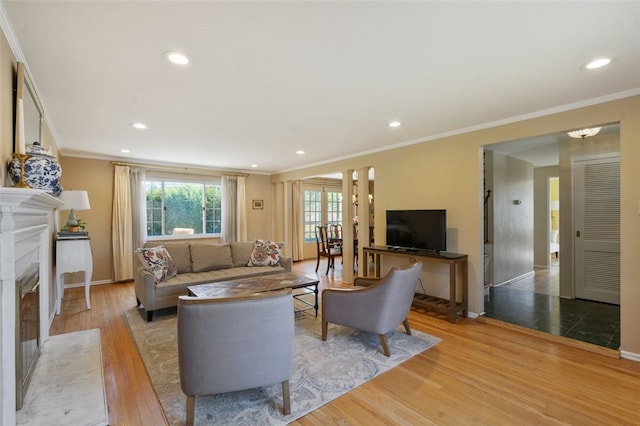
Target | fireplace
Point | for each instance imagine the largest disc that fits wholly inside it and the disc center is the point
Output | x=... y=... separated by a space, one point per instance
x=26 y=233
x=27 y=329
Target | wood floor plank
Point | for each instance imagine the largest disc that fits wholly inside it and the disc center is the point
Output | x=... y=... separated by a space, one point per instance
x=479 y=374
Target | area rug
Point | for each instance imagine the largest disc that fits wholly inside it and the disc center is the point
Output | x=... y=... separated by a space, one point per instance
x=322 y=370
x=67 y=386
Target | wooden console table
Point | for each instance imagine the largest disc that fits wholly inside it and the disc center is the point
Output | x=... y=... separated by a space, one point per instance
x=450 y=307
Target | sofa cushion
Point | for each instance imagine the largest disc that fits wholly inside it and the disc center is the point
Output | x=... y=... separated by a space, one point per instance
x=181 y=256
x=158 y=262
x=209 y=257
x=241 y=252
x=178 y=285
x=265 y=253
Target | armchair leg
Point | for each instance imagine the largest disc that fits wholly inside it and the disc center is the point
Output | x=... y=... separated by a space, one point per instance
x=385 y=346
x=406 y=326
x=318 y=263
x=285 y=398
x=191 y=407
x=324 y=330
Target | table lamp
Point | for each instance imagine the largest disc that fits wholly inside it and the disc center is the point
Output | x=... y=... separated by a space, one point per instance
x=74 y=200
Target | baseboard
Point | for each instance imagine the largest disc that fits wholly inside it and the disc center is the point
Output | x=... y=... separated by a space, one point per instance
x=611 y=353
x=518 y=278
x=630 y=356
x=73 y=285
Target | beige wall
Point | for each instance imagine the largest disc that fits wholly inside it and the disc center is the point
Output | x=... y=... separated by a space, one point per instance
x=259 y=223
x=512 y=223
x=95 y=177
x=541 y=216
x=7 y=77
x=446 y=173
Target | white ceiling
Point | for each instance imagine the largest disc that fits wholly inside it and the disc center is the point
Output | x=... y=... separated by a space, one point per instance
x=269 y=78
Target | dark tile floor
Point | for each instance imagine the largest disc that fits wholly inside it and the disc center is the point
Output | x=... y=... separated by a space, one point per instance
x=592 y=322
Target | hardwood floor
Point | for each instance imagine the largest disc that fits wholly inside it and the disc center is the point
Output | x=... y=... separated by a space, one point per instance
x=478 y=374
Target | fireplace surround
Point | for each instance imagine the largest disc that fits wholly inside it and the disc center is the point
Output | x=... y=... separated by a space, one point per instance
x=27 y=329
x=26 y=235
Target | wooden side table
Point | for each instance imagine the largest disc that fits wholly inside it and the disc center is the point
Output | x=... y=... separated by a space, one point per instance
x=73 y=255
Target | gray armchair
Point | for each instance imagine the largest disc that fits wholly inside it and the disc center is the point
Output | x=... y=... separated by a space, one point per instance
x=235 y=343
x=377 y=308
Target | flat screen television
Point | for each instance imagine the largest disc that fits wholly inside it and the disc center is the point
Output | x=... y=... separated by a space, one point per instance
x=417 y=229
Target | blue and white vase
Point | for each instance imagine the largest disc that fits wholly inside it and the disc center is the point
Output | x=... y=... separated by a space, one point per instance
x=35 y=170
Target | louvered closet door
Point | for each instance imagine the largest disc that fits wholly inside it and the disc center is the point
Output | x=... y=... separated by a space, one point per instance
x=597 y=229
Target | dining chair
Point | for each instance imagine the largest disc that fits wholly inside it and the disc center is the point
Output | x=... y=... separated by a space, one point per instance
x=325 y=248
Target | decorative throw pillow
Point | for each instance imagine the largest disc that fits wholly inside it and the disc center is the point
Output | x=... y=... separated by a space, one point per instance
x=265 y=253
x=158 y=262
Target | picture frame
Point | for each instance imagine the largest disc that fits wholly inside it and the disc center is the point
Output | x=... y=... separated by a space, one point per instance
x=258 y=204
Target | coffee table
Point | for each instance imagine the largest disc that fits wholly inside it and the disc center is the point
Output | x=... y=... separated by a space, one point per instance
x=306 y=285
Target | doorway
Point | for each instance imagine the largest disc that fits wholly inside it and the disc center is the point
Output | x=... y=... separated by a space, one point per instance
x=532 y=300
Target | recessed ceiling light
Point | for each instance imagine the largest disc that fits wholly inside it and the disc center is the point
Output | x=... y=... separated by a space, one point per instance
x=254 y=166
x=176 y=57
x=597 y=63
x=300 y=152
x=140 y=126
x=125 y=151
x=394 y=124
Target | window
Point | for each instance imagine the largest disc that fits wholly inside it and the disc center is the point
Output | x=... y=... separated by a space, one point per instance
x=321 y=206
x=176 y=207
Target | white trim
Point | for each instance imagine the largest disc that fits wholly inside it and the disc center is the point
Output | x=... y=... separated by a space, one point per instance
x=472 y=315
x=518 y=278
x=100 y=282
x=630 y=356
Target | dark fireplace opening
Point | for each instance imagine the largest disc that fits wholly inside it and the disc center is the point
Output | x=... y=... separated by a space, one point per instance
x=27 y=329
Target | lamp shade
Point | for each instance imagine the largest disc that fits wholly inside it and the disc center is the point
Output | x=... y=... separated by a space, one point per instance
x=554 y=205
x=75 y=200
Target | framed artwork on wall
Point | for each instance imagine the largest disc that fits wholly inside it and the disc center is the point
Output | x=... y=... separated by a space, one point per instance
x=258 y=204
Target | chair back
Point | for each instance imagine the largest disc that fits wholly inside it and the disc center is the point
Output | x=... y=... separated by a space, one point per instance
x=322 y=239
x=235 y=343
x=335 y=231
x=392 y=297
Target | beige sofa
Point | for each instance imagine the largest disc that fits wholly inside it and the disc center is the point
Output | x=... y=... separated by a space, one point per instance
x=196 y=263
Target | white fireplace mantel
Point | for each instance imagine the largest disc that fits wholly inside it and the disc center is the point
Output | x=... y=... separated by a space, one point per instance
x=26 y=234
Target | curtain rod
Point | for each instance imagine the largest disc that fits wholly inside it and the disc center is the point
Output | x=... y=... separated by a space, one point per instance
x=177 y=169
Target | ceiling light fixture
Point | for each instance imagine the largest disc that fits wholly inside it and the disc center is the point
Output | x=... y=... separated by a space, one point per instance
x=254 y=166
x=394 y=124
x=176 y=57
x=140 y=126
x=597 y=63
x=300 y=152
x=584 y=133
x=125 y=151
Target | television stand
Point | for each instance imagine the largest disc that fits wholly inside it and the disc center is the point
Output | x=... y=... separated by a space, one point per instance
x=458 y=266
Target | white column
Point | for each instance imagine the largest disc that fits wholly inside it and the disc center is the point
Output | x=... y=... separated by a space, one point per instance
x=363 y=217
x=347 y=226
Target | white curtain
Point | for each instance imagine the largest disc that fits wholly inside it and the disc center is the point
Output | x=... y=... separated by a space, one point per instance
x=122 y=228
x=138 y=206
x=297 y=233
x=129 y=230
x=242 y=209
x=229 y=188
